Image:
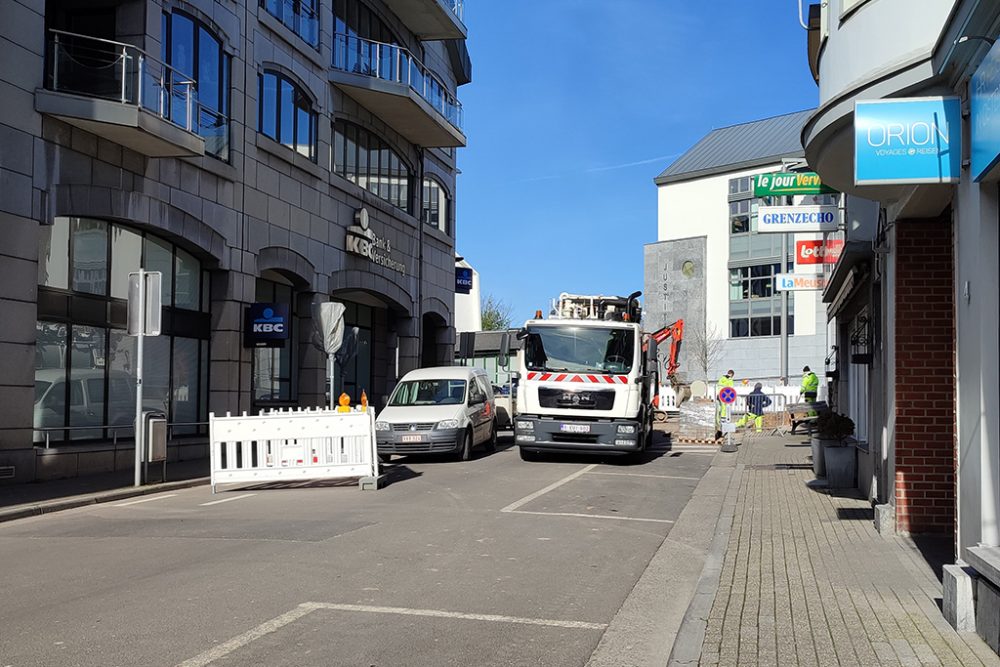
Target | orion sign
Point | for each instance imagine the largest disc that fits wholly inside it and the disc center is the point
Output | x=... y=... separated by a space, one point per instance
x=364 y=242
x=908 y=141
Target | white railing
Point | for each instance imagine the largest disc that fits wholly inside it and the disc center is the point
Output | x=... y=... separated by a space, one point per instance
x=284 y=445
x=393 y=63
x=458 y=8
x=105 y=69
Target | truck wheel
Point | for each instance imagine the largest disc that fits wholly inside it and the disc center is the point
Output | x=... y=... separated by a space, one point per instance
x=527 y=455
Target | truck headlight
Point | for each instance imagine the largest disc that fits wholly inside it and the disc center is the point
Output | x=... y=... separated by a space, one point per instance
x=626 y=429
x=525 y=426
x=447 y=423
x=382 y=426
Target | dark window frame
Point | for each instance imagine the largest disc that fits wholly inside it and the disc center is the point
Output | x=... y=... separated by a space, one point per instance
x=298 y=95
x=391 y=172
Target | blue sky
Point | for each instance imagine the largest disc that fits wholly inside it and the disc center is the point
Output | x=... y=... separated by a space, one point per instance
x=574 y=108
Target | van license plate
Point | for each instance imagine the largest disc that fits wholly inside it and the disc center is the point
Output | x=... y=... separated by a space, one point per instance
x=411 y=438
x=574 y=428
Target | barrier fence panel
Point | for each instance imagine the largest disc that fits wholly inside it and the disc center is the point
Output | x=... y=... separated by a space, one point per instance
x=292 y=445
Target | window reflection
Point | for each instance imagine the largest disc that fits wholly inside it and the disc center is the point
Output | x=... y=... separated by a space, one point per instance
x=362 y=157
x=90 y=256
x=286 y=114
x=435 y=204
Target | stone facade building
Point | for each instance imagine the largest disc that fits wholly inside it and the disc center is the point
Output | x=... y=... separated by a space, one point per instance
x=273 y=152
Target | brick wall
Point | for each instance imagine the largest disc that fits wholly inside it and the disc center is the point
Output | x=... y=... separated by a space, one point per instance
x=925 y=377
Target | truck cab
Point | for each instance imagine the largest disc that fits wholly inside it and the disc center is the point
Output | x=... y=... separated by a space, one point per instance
x=584 y=385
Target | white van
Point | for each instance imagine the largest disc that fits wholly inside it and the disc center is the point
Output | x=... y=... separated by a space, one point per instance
x=437 y=410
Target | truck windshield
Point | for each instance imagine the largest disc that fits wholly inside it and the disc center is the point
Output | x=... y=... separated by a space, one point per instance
x=579 y=349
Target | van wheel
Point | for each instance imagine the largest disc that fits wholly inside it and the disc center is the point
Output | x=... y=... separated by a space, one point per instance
x=464 y=451
x=491 y=444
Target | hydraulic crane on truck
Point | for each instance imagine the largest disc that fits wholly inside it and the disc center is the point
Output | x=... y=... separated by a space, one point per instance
x=675 y=332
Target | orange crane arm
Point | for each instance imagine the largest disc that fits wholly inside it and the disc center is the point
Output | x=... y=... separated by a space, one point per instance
x=675 y=332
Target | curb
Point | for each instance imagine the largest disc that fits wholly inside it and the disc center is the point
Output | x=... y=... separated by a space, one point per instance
x=691 y=636
x=50 y=506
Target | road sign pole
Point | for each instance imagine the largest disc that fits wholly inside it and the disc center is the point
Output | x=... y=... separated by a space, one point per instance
x=138 y=379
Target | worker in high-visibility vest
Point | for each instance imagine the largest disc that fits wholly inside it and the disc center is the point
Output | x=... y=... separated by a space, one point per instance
x=809 y=388
x=721 y=409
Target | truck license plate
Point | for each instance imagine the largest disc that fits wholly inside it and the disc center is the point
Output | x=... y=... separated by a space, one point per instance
x=574 y=428
x=411 y=438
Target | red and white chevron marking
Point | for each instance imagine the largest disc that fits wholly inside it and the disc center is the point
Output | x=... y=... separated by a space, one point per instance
x=571 y=377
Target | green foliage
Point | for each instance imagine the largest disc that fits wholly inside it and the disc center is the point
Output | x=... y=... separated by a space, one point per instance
x=495 y=314
x=834 y=426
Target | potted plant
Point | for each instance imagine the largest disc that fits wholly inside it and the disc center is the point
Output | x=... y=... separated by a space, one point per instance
x=839 y=459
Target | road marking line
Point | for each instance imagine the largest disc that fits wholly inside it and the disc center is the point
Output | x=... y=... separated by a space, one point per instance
x=593 y=516
x=238 y=642
x=227 y=500
x=434 y=613
x=537 y=494
x=145 y=500
x=636 y=474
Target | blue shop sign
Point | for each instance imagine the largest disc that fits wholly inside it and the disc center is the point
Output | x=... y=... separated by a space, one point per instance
x=463 y=280
x=908 y=140
x=266 y=325
x=984 y=93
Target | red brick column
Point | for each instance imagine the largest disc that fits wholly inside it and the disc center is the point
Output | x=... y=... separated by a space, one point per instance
x=925 y=377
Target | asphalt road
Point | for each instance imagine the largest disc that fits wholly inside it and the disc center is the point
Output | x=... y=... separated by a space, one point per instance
x=489 y=562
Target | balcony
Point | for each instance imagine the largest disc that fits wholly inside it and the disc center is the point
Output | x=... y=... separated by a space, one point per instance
x=119 y=92
x=390 y=82
x=431 y=19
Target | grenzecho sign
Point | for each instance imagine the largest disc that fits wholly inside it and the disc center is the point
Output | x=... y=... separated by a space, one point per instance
x=798 y=219
x=789 y=183
x=362 y=241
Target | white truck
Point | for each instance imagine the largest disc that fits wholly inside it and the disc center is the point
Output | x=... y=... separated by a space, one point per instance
x=586 y=383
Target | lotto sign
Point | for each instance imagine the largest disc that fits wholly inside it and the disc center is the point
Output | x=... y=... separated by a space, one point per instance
x=727 y=395
x=818 y=252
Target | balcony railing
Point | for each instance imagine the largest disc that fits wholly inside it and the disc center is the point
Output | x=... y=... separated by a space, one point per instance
x=298 y=17
x=117 y=72
x=458 y=6
x=395 y=64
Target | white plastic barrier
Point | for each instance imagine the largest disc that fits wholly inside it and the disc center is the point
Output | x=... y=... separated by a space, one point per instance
x=668 y=400
x=293 y=445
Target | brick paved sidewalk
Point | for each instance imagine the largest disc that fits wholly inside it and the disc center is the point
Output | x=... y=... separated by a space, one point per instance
x=806 y=579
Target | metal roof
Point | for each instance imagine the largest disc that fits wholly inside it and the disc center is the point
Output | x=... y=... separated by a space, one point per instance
x=740 y=147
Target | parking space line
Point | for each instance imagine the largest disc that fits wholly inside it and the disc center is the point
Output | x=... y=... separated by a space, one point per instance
x=435 y=613
x=145 y=500
x=227 y=500
x=592 y=516
x=638 y=474
x=224 y=649
x=538 y=494
x=238 y=642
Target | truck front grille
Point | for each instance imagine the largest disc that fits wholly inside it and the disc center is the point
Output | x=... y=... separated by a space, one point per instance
x=576 y=399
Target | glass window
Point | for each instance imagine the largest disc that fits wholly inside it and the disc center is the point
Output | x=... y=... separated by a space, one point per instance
x=159 y=257
x=187 y=281
x=50 y=377
x=739 y=216
x=740 y=185
x=755 y=306
x=380 y=170
x=126 y=257
x=194 y=52
x=121 y=379
x=184 y=391
x=286 y=114
x=299 y=16
x=435 y=205
x=156 y=374
x=272 y=367
x=86 y=380
x=53 y=254
x=90 y=256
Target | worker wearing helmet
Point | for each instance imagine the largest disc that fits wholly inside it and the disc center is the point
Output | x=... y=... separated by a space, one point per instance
x=721 y=409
